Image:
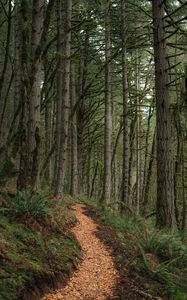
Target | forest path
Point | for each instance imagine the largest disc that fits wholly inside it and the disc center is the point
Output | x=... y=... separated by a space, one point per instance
x=96 y=276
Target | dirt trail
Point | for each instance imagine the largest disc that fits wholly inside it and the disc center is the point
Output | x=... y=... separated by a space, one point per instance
x=96 y=276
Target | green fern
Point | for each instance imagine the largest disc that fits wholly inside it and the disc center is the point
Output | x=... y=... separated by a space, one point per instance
x=26 y=203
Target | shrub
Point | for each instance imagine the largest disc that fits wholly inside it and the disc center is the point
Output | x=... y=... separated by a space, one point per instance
x=26 y=202
x=169 y=260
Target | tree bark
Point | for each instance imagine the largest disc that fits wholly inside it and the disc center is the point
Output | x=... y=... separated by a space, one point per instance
x=61 y=172
x=24 y=168
x=138 y=139
x=17 y=62
x=108 y=116
x=148 y=177
x=59 y=86
x=74 y=148
x=125 y=185
x=165 y=215
x=35 y=97
x=48 y=130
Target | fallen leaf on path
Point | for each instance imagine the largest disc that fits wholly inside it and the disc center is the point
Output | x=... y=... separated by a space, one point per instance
x=96 y=276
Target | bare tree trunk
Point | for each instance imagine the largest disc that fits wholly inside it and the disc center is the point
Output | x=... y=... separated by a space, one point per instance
x=35 y=97
x=125 y=185
x=29 y=127
x=138 y=142
x=24 y=168
x=108 y=116
x=165 y=185
x=48 y=130
x=94 y=179
x=59 y=86
x=131 y=147
x=149 y=176
x=3 y=69
x=114 y=158
x=66 y=104
x=184 y=161
x=17 y=61
x=74 y=148
x=146 y=151
x=184 y=179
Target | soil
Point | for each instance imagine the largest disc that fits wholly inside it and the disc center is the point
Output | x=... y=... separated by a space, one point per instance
x=102 y=274
x=96 y=276
x=129 y=286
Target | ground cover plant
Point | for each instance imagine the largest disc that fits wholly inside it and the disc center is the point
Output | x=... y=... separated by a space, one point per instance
x=35 y=245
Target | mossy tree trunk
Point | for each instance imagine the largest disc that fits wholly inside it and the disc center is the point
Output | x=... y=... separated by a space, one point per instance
x=165 y=209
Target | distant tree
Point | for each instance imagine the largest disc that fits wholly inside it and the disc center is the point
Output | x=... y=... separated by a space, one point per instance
x=125 y=183
x=108 y=107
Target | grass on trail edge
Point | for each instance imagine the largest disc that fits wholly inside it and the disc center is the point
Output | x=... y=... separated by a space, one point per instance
x=157 y=259
x=36 y=246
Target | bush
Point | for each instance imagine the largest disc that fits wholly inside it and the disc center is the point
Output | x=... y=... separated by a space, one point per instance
x=26 y=202
x=164 y=257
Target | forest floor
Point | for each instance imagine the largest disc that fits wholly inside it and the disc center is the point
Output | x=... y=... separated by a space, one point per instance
x=96 y=276
x=100 y=275
x=36 y=253
x=79 y=251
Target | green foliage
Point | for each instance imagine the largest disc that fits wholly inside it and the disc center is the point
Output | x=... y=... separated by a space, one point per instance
x=89 y=200
x=164 y=258
x=160 y=254
x=30 y=253
x=27 y=203
x=164 y=244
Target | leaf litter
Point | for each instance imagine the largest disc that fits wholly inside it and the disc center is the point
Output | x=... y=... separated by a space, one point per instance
x=96 y=276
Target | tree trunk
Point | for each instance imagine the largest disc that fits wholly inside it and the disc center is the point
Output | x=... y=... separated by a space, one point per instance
x=138 y=140
x=74 y=148
x=165 y=215
x=24 y=168
x=125 y=185
x=17 y=62
x=146 y=152
x=148 y=177
x=48 y=130
x=59 y=86
x=108 y=116
x=66 y=103
x=34 y=120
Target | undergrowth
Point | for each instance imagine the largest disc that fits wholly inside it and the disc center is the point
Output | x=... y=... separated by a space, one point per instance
x=34 y=243
x=26 y=203
x=158 y=255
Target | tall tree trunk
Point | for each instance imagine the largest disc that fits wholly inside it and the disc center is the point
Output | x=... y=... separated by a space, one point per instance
x=165 y=215
x=131 y=148
x=29 y=126
x=74 y=148
x=3 y=69
x=66 y=103
x=138 y=140
x=148 y=177
x=125 y=185
x=59 y=86
x=17 y=62
x=114 y=157
x=34 y=118
x=184 y=179
x=24 y=168
x=146 y=151
x=48 y=127
x=108 y=116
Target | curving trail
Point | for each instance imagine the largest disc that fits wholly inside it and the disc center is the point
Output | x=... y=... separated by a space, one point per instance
x=96 y=276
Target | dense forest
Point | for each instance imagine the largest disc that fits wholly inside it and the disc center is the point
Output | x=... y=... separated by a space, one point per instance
x=94 y=109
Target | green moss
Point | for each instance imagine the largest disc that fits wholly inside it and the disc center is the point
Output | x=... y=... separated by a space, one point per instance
x=28 y=253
